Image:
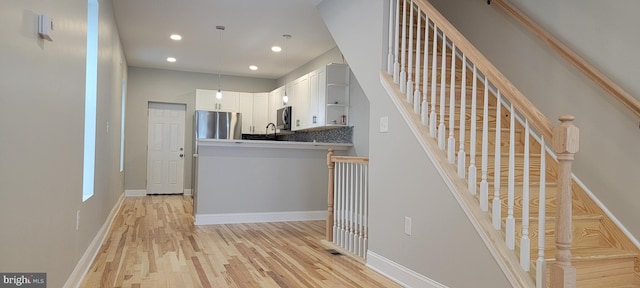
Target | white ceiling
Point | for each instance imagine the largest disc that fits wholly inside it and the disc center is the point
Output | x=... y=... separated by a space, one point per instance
x=252 y=27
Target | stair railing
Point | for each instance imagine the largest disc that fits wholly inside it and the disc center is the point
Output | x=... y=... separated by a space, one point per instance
x=490 y=90
x=347 y=203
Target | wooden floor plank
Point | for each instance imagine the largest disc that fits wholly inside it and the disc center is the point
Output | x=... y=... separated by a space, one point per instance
x=153 y=243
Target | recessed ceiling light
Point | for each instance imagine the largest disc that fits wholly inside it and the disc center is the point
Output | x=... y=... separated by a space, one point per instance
x=276 y=49
x=175 y=37
x=171 y=59
x=253 y=67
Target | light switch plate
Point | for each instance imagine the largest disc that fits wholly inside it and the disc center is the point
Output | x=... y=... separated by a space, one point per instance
x=407 y=226
x=384 y=124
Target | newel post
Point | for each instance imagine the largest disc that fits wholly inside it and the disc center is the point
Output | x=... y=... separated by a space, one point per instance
x=565 y=144
x=329 y=222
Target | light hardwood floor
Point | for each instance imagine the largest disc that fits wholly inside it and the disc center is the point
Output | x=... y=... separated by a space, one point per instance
x=153 y=243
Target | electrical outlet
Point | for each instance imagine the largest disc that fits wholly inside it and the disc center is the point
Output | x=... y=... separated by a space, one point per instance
x=384 y=124
x=407 y=225
x=77 y=220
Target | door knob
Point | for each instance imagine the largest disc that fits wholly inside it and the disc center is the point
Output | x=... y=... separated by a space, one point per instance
x=181 y=155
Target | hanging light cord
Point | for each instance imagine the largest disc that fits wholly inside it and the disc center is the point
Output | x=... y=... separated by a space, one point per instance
x=220 y=28
x=285 y=98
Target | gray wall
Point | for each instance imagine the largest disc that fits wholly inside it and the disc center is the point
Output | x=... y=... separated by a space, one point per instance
x=403 y=181
x=156 y=85
x=609 y=157
x=42 y=128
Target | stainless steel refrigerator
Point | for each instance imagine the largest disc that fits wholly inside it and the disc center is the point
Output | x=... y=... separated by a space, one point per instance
x=212 y=125
x=217 y=125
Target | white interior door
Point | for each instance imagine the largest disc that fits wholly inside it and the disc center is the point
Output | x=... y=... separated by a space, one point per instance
x=165 y=153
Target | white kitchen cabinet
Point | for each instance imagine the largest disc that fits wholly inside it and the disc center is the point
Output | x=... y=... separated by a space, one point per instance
x=336 y=93
x=328 y=103
x=246 y=109
x=299 y=103
x=275 y=103
x=206 y=100
x=253 y=107
x=260 y=113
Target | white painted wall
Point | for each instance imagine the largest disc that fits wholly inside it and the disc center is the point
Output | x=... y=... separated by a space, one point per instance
x=403 y=181
x=42 y=126
x=609 y=156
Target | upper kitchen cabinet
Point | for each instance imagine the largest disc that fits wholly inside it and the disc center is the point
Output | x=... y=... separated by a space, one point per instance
x=335 y=91
x=299 y=101
x=275 y=103
x=325 y=98
x=206 y=100
x=253 y=107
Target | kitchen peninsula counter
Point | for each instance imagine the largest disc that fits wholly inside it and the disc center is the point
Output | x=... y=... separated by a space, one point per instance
x=272 y=144
x=244 y=181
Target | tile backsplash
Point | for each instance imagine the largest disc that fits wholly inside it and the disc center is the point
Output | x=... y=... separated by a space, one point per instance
x=334 y=135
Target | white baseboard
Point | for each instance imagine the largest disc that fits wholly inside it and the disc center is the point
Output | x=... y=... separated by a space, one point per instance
x=76 y=277
x=230 y=218
x=136 y=193
x=398 y=273
x=187 y=192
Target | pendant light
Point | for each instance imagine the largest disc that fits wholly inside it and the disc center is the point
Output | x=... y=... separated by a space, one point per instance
x=219 y=93
x=285 y=98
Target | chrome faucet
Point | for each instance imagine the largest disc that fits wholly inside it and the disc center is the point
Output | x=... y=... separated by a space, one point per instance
x=275 y=130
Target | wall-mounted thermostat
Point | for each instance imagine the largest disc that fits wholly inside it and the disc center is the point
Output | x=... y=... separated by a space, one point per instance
x=45 y=27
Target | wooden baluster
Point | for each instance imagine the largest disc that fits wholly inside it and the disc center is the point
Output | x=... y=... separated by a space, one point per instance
x=462 y=157
x=472 y=142
x=565 y=144
x=361 y=211
x=425 y=77
x=409 y=89
x=366 y=209
x=484 y=185
x=357 y=211
x=343 y=206
x=451 y=155
x=511 y=221
x=416 y=91
x=337 y=234
x=390 y=32
x=541 y=262
x=330 y=225
x=497 y=203
x=403 y=58
x=443 y=76
x=434 y=67
x=396 y=64
x=525 y=243
x=350 y=206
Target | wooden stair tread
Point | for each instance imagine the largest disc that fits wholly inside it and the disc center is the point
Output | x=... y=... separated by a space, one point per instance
x=595 y=253
x=575 y=217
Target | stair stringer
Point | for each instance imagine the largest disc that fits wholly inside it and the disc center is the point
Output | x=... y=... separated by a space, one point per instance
x=493 y=239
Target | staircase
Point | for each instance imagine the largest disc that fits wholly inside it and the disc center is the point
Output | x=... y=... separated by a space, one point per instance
x=488 y=135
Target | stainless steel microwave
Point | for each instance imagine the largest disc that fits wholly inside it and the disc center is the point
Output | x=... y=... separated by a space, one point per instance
x=283 y=118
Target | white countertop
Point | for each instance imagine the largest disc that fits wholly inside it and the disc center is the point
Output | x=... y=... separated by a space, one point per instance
x=271 y=144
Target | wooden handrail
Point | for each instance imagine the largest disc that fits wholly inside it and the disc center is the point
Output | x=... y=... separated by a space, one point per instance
x=506 y=88
x=594 y=74
x=350 y=159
